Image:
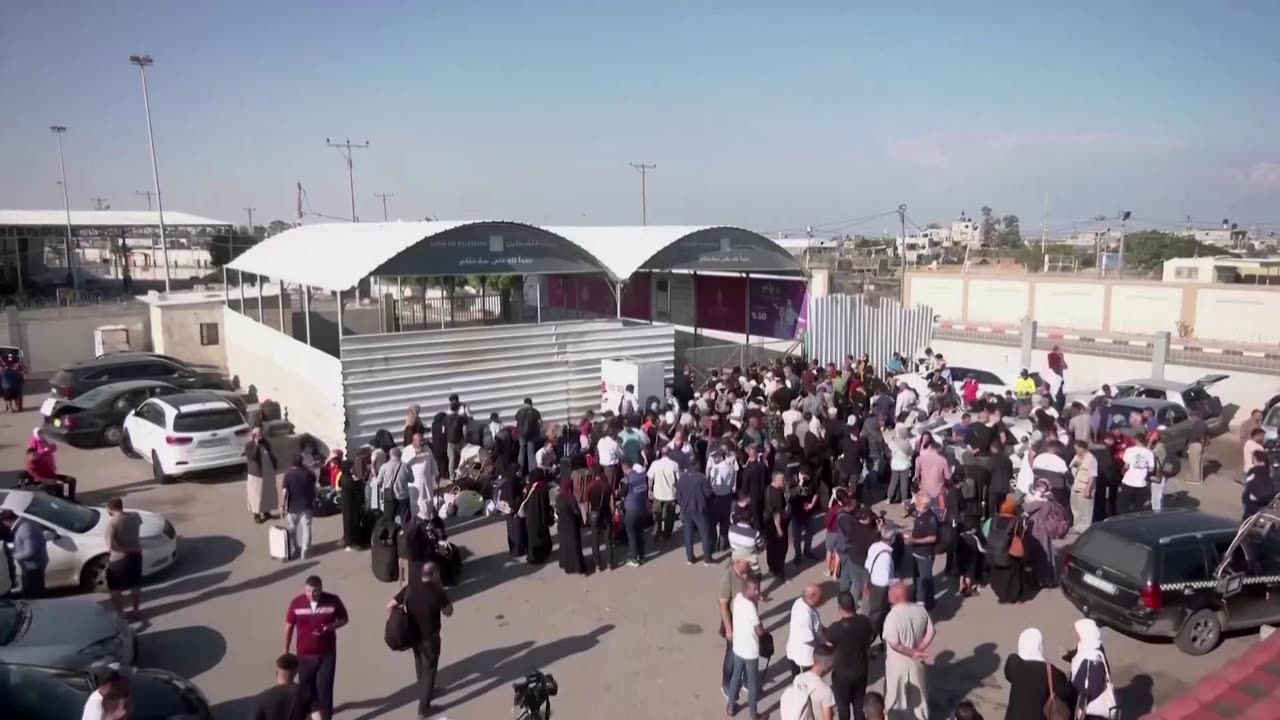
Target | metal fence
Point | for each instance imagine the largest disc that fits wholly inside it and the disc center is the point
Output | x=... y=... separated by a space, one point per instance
x=841 y=325
x=730 y=354
x=439 y=313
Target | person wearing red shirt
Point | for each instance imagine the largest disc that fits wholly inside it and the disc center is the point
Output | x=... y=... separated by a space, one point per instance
x=42 y=467
x=316 y=615
x=970 y=391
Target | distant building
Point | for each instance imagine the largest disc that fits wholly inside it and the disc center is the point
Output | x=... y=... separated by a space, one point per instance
x=1092 y=238
x=966 y=231
x=1225 y=237
x=1222 y=270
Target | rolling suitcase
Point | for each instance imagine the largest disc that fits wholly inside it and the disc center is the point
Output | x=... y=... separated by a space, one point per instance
x=384 y=556
x=280 y=543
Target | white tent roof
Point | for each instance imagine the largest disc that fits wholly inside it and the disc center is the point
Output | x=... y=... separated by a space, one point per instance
x=337 y=256
x=101 y=218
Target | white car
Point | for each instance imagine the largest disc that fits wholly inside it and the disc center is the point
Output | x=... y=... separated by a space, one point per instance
x=1021 y=428
x=988 y=382
x=78 y=538
x=185 y=433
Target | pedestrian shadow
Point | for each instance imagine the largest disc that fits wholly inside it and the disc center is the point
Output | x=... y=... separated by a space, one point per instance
x=186 y=585
x=237 y=709
x=285 y=571
x=175 y=650
x=461 y=525
x=1181 y=500
x=482 y=673
x=100 y=496
x=487 y=572
x=1137 y=698
x=952 y=680
x=200 y=554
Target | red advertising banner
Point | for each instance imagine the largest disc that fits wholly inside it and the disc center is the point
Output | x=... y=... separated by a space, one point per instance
x=637 y=297
x=721 y=303
x=593 y=294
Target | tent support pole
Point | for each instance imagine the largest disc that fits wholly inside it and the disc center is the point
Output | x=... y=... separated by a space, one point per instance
x=280 y=298
x=240 y=280
x=382 y=312
x=694 y=288
x=226 y=289
x=746 y=280
x=306 y=311
x=340 y=316
x=538 y=297
x=259 y=298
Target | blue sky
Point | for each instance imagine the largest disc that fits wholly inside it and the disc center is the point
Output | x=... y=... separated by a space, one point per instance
x=769 y=115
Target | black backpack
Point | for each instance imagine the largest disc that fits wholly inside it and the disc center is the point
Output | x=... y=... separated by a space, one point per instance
x=398 y=633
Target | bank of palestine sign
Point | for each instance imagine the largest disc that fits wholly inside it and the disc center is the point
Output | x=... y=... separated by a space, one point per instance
x=724 y=249
x=489 y=249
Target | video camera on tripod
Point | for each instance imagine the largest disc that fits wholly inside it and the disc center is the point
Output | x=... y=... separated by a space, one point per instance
x=533 y=696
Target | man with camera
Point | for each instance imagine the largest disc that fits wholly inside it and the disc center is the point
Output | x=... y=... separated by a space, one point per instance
x=424 y=603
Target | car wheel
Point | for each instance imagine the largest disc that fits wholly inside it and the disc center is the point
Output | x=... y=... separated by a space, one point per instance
x=1200 y=634
x=126 y=446
x=112 y=434
x=93 y=577
x=158 y=470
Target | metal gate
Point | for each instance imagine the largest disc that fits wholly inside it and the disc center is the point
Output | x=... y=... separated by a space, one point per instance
x=841 y=325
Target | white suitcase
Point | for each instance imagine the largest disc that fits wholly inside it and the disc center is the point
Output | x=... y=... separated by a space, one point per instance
x=280 y=543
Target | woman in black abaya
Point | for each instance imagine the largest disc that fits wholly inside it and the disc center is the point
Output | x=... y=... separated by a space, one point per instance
x=538 y=517
x=569 y=529
x=511 y=494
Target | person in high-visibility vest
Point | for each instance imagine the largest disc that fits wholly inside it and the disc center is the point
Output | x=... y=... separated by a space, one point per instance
x=1025 y=387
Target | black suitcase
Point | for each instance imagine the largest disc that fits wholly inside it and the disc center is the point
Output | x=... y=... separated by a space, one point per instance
x=383 y=557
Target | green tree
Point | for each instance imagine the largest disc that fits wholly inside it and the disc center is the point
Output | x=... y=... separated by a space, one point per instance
x=1009 y=234
x=988 y=226
x=1147 y=250
x=275 y=227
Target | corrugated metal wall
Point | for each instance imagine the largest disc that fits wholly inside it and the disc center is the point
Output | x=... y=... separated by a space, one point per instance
x=841 y=325
x=306 y=381
x=492 y=368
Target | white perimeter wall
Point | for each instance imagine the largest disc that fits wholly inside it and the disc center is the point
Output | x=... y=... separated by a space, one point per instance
x=944 y=294
x=998 y=301
x=1145 y=309
x=305 y=381
x=1088 y=372
x=1243 y=315
x=1070 y=305
x=493 y=369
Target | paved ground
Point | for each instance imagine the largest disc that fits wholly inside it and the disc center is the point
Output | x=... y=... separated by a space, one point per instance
x=639 y=642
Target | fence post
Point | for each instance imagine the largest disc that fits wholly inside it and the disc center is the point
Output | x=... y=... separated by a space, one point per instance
x=1159 y=354
x=1028 y=341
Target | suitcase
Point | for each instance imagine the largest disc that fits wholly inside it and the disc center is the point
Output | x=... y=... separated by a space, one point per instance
x=280 y=543
x=383 y=553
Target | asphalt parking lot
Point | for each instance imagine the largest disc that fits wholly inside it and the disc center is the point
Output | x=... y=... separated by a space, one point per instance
x=637 y=642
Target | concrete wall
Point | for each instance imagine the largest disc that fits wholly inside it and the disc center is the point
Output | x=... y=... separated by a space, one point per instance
x=1249 y=315
x=53 y=337
x=1102 y=305
x=307 y=382
x=1087 y=372
x=1070 y=305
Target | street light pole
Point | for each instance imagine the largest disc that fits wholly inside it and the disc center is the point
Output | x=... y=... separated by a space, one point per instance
x=250 y=211
x=58 y=130
x=143 y=62
x=344 y=149
x=148 y=194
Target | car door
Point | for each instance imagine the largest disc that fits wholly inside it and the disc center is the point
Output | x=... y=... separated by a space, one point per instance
x=1255 y=560
x=146 y=427
x=64 y=561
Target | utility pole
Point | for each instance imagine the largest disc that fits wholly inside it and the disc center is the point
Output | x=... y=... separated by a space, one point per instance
x=148 y=195
x=644 y=200
x=384 y=197
x=100 y=204
x=250 y=211
x=58 y=130
x=1044 y=236
x=344 y=148
x=902 y=228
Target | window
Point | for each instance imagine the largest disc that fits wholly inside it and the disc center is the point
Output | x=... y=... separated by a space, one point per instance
x=209 y=333
x=61 y=514
x=152 y=414
x=1152 y=393
x=207 y=420
x=1112 y=551
x=1186 y=273
x=1183 y=563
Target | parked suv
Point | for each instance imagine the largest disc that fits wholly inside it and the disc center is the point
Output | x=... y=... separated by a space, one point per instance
x=78 y=378
x=1179 y=574
x=185 y=433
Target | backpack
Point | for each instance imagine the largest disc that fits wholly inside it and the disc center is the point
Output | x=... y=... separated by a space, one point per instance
x=794 y=704
x=1055 y=520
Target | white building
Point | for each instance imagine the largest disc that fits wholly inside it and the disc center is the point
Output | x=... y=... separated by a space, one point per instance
x=966 y=231
x=1227 y=236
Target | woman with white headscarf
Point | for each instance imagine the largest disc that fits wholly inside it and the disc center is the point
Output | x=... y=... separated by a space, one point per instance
x=1030 y=675
x=1091 y=673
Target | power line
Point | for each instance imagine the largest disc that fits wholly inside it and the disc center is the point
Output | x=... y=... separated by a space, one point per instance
x=148 y=194
x=344 y=149
x=384 y=197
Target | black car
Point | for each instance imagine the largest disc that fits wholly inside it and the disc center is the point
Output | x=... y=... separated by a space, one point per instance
x=76 y=379
x=95 y=418
x=35 y=693
x=1179 y=574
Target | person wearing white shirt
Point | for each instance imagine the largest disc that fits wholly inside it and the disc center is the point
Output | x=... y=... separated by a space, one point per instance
x=663 y=474
x=110 y=683
x=722 y=471
x=426 y=473
x=790 y=419
x=545 y=458
x=880 y=567
x=609 y=453
x=747 y=630
x=805 y=630
x=1139 y=462
x=906 y=400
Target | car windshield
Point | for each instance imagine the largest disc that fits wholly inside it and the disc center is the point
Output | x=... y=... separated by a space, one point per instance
x=13 y=617
x=31 y=694
x=1273 y=417
x=207 y=421
x=97 y=395
x=62 y=514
